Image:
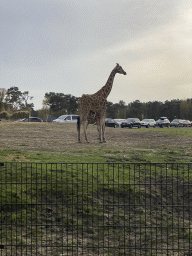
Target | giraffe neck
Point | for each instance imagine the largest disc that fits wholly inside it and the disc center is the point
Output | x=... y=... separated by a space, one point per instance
x=106 y=89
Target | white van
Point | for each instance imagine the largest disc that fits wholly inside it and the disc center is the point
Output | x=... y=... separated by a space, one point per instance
x=66 y=119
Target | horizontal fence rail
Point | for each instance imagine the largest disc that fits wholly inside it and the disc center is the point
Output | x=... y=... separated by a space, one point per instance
x=95 y=209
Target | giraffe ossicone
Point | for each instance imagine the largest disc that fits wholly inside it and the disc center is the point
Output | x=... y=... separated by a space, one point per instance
x=93 y=106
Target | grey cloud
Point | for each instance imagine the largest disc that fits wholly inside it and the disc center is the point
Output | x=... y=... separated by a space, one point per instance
x=74 y=45
x=43 y=29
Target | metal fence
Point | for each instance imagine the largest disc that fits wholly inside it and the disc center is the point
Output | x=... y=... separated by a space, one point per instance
x=95 y=209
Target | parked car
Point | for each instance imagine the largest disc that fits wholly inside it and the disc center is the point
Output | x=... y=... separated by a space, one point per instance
x=131 y=122
x=66 y=119
x=148 y=123
x=31 y=119
x=111 y=123
x=163 y=122
x=119 y=121
x=48 y=118
x=186 y=123
x=177 y=123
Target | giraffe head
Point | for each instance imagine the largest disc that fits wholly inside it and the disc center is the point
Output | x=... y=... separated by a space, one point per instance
x=119 y=70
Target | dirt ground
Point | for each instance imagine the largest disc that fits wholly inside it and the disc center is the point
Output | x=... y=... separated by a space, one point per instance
x=62 y=138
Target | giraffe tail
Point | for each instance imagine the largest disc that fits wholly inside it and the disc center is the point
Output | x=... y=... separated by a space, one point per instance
x=78 y=123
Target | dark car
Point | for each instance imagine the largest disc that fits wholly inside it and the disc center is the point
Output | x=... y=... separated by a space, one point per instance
x=131 y=122
x=111 y=123
x=31 y=119
x=177 y=123
x=163 y=122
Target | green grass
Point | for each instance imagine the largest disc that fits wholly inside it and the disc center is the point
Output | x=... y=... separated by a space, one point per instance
x=173 y=131
x=15 y=155
x=84 y=188
x=177 y=131
x=145 y=152
x=161 y=154
x=87 y=195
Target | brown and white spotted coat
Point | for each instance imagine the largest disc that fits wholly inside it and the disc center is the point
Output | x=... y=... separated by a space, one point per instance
x=94 y=106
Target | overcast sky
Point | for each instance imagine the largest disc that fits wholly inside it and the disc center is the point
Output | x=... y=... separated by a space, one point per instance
x=71 y=46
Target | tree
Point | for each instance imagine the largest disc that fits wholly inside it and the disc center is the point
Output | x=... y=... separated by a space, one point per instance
x=71 y=103
x=25 y=97
x=17 y=100
x=122 y=110
x=109 y=111
x=46 y=109
x=62 y=103
x=14 y=97
x=153 y=109
x=134 y=109
x=112 y=110
x=143 y=111
x=2 y=103
x=186 y=109
x=56 y=102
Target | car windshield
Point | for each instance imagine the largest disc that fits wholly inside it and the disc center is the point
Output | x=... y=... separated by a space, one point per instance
x=130 y=120
x=176 y=120
x=62 y=117
x=146 y=120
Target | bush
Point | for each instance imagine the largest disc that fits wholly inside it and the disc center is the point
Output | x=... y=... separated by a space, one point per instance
x=15 y=115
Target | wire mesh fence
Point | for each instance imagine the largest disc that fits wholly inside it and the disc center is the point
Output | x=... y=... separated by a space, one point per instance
x=95 y=209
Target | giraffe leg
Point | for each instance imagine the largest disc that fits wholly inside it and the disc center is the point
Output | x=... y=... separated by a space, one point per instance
x=103 y=131
x=82 y=119
x=98 y=131
x=85 y=130
x=100 y=128
x=100 y=134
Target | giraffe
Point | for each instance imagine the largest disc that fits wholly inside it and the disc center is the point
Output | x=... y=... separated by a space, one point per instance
x=94 y=105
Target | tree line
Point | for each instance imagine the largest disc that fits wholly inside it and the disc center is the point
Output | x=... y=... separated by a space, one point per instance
x=58 y=104
x=181 y=109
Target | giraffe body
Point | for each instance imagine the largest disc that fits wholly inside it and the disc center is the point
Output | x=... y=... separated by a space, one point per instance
x=95 y=105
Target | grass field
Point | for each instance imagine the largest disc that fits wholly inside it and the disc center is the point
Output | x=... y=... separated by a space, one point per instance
x=80 y=208
x=50 y=142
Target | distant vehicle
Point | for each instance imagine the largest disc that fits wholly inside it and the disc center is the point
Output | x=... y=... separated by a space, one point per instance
x=186 y=123
x=177 y=123
x=48 y=118
x=111 y=123
x=148 y=123
x=66 y=119
x=31 y=119
x=131 y=122
x=119 y=121
x=163 y=122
